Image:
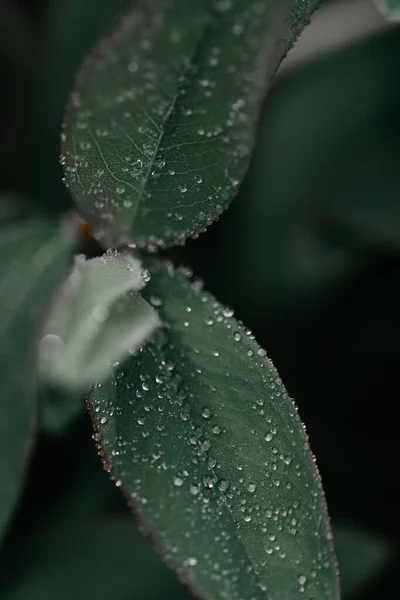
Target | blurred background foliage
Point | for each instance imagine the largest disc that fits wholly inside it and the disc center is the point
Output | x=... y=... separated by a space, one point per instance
x=308 y=256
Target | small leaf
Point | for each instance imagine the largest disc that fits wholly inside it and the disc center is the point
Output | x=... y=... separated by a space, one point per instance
x=162 y=122
x=34 y=257
x=97 y=318
x=202 y=436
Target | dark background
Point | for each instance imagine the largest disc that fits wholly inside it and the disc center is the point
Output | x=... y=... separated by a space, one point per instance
x=308 y=256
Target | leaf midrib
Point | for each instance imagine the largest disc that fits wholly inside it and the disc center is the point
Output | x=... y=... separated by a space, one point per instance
x=164 y=121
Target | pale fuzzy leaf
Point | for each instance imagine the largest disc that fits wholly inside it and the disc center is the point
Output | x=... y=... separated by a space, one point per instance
x=97 y=319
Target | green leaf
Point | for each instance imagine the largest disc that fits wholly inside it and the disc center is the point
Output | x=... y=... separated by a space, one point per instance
x=97 y=318
x=162 y=122
x=34 y=257
x=204 y=439
x=361 y=556
x=390 y=8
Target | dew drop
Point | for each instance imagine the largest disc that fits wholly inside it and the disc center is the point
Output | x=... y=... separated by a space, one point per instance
x=223 y=485
x=194 y=490
x=145 y=275
x=209 y=482
x=207 y=412
x=156 y=301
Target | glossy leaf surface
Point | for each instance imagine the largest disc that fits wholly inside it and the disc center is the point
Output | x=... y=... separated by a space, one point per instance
x=162 y=122
x=97 y=318
x=201 y=434
x=34 y=258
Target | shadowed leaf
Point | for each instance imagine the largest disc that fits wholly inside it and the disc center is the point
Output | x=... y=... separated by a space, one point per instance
x=34 y=257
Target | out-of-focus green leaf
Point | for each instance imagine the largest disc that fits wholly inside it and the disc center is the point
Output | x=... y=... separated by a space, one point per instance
x=97 y=317
x=70 y=29
x=34 y=257
x=80 y=543
x=18 y=60
x=163 y=118
x=201 y=434
x=333 y=126
x=390 y=8
x=94 y=558
x=361 y=556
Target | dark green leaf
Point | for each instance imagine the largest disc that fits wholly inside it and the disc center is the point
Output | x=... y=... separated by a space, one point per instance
x=361 y=556
x=97 y=317
x=204 y=439
x=162 y=122
x=34 y=257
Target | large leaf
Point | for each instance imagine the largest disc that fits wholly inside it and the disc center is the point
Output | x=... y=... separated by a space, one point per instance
x=202 y=436
x=97 y=318
x=33 y=260
x=162 y=121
